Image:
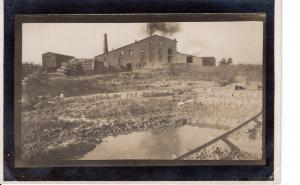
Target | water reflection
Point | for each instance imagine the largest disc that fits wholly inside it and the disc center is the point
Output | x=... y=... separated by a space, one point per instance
x=160 y=143
x=163 y=143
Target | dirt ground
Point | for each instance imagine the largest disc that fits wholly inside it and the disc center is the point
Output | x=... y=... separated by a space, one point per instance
x=72 y=124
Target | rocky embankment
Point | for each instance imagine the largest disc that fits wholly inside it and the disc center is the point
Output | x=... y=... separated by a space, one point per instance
x=63 y=128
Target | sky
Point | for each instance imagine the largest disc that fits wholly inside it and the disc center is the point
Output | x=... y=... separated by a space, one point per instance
x=242 y=41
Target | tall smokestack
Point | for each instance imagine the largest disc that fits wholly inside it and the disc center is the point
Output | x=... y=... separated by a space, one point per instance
x=105 y=45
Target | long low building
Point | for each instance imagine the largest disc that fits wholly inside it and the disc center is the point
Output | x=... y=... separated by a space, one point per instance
x=52 y=61
x=185 y=58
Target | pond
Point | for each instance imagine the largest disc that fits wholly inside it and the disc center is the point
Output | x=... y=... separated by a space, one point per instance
x=162 y=144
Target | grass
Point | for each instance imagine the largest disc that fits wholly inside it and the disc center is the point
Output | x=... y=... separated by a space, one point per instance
x=41 y=84
x=231 y=73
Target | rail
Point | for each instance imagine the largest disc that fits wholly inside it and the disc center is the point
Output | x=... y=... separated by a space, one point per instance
x=223 y=137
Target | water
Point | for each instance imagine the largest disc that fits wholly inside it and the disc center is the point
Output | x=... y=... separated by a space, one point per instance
x=152 y=144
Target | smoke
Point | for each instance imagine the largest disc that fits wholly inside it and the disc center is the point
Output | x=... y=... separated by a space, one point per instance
x=162 y=28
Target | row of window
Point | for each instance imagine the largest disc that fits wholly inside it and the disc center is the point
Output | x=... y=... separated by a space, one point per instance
x=140 y=65
x=159 y=42
x=170 y=51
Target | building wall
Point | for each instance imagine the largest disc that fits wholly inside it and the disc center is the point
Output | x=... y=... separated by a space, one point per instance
x=53 y=61
x=198 y=60
x=185 y=58
x=209 y=61
x=151 y=52
x=181 y=58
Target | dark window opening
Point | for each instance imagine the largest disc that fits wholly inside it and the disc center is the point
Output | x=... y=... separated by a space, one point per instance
x=170 y=59
x=129 y=67
x=160 y=55
x=189 y=59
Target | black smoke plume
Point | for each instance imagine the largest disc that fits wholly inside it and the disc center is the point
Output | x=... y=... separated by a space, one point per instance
x=162 y=28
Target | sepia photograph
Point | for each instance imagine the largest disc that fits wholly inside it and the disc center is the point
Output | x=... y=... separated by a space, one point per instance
x=142 y=91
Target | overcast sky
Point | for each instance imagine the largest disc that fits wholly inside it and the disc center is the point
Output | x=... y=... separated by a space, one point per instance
x=243 y=41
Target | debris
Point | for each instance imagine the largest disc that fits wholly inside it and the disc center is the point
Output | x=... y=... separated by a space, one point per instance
x=239 y=87
x=40 y=105
x=180 y=104
x=223 y=82
x=61 y=95
x=190 y=101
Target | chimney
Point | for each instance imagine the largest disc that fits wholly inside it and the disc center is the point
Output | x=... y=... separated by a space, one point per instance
x=105 y=45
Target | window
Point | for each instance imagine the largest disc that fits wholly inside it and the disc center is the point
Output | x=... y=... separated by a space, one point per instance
x=170 y=51
x=120 y=61
x=142 y=55
x=160 y=54
x=151 y=42
x=122 y=53
x=151 y=55
x=105 y=63
x=130 y=52
x=170 y=59
x=160 y=42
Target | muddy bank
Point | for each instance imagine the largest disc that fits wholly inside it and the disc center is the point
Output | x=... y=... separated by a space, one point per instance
x=79 y=136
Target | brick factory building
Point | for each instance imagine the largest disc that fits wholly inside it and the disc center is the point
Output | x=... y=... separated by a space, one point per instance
x=153 y=52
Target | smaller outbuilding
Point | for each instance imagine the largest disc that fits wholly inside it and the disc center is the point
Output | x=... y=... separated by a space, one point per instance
x=191 y=59
x=209 y=61
x=53 y=61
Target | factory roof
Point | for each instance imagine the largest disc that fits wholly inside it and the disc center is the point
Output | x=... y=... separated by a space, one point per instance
x=58 y=54
x=137 y=42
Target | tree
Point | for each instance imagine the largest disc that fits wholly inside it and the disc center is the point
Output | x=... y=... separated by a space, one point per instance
x=229 y=61
x=223 y=62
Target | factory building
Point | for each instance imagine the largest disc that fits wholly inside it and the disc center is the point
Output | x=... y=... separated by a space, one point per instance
x=52 y=61
x=152 y=52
